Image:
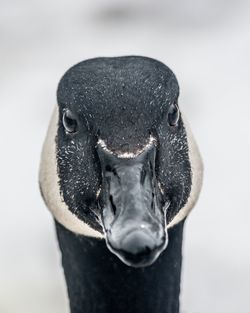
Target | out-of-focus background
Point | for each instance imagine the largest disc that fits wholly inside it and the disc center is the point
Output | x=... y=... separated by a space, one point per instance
x=207 y=44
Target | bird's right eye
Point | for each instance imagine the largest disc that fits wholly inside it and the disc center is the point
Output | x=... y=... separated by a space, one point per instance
x=69 y=122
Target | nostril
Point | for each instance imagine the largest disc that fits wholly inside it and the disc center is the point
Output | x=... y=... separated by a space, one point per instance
x=112 y=204
x=143 y=175
x=108 y=168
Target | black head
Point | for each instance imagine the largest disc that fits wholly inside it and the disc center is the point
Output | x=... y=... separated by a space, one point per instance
x=122 y=152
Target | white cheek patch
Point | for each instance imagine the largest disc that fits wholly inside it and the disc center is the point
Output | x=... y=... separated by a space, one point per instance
x=197 y=176
x=49 y=183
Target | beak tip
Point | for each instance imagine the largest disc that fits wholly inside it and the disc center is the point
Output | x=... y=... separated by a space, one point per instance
x=138 y=248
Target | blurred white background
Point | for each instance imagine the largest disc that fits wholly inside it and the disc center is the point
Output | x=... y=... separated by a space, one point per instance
x=207 y=44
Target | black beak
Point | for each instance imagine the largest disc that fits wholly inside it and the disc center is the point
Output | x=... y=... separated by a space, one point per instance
x=133 y=214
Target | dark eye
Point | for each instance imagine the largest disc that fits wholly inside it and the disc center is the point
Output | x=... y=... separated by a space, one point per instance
x=173 y=114
x=69 y=122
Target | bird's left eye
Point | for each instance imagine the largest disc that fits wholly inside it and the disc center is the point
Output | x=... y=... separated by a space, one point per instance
x=173 y=114
x=69 y=122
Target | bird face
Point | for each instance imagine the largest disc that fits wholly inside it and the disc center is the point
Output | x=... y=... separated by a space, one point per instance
x=122 y=163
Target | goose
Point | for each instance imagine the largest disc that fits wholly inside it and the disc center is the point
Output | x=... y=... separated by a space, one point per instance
x=120 y=171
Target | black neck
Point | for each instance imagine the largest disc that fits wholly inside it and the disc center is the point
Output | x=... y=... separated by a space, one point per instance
x=98 y=282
